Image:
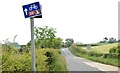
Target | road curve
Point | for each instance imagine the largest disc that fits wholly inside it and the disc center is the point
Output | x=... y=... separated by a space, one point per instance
x=80 y=64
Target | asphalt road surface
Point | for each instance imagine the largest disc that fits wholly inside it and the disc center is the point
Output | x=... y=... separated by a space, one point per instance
x=82 y=65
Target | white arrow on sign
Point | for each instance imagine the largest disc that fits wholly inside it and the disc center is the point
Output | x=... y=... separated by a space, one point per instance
x=25 y=11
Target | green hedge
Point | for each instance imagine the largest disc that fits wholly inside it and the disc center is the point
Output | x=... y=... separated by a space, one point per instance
x=93 y=53
x=115 y=49
x=46 y=60
x=106 y=58
x=79 y=50
x=109 y=55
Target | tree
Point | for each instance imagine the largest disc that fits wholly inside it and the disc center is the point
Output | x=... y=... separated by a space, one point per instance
x=112 y=40
x=57 y=43
x=44 y=37
x=63 y=44
x=105 y=39
x=69 y=42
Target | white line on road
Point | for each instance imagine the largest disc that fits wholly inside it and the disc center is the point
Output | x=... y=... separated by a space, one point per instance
x=93 y=66
x=102 y=67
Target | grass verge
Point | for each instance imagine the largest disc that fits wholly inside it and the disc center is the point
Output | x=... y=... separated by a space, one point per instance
x=92 y=56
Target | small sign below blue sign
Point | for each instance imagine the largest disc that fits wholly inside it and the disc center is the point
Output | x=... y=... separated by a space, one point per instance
x=32 y=10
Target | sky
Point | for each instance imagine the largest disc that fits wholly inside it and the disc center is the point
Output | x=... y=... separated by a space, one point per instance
x=86 y=21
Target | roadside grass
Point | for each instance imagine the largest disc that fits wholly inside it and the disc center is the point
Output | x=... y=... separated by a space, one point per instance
x=105 y=58
x=58 y=61
x=108 y=61
x=59 y=64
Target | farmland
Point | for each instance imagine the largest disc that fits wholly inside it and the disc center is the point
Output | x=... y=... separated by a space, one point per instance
x=102 y=48
x=107 y=54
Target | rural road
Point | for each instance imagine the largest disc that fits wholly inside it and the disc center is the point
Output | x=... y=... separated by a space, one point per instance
x=82 y=65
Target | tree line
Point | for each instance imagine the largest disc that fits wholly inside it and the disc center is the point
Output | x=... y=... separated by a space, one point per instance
x=109 y=40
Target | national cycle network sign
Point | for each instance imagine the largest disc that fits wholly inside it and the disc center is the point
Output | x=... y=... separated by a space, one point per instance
x=32 y=10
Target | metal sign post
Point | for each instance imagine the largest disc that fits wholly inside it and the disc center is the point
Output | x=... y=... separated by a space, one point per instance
x=0 y=56
x=31 y=11
x=33 y=44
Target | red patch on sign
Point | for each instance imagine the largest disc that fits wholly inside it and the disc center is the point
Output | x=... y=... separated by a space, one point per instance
x=31 y=13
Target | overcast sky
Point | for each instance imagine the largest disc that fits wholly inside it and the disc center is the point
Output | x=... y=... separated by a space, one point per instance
x=85 y=21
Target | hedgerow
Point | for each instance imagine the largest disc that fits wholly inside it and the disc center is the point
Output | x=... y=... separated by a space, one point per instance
x=115 y=49
x=21 y=62
x=106 y=58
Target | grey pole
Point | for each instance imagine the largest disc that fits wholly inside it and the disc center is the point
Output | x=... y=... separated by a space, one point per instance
x=0 y=47
x=33 y=45
x=1 y=55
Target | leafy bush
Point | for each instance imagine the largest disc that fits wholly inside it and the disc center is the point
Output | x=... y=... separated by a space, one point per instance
x=109 y=55
x=76 y=50
x=106 y=58
x=83 y=51
x=93 y=53
x=115 y=49
x=22 y=62
x=58 y=61
x=14 y=61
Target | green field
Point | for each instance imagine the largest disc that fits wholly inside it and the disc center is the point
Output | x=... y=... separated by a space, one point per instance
x=103 y=48
x=99 y=53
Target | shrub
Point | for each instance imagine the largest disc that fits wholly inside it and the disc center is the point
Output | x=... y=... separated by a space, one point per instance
x=83 y=51
x=12 y=61
x=106 y=58
x=93 y=53
x=109 y=55
x=115 y=49
x=55 y=61
x=74 y=48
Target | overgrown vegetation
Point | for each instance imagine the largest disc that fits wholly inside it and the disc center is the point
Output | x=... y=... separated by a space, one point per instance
x=46 y=60
x=45 y=38
x=111 y=58
x=115 y=49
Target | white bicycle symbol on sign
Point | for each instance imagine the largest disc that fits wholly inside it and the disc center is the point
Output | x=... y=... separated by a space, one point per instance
x=33 y=7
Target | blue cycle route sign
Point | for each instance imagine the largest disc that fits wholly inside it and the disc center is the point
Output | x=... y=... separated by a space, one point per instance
x=32 y=10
